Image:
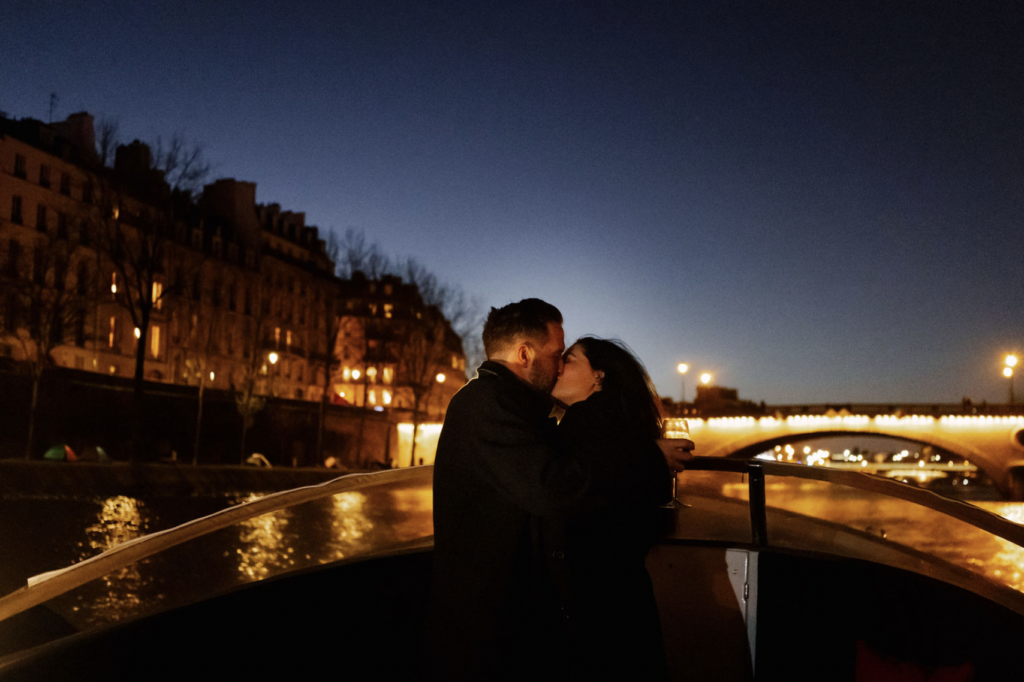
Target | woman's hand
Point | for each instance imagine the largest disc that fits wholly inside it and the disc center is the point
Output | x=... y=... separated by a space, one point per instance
x=677 y=452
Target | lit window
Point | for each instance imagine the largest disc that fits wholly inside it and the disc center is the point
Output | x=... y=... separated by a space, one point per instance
x=113 y=283
x=371 y=373
x=154 y=340
x=158 y=290
x=373 y=397
x=388 y=308
x=277 y=337
x=387 y=397
x=387 y=375
x=355 y=374
x=288 y=339
x=346 y=374
x=113 y=332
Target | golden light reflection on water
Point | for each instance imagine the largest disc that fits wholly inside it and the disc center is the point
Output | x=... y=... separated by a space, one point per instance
x=262 y=549
x=415 y=505
x=1008 y=563
x=349 y=527
x=118 y=594
x=904 y=523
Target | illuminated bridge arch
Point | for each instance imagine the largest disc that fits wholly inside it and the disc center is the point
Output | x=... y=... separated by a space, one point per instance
x=995 y=444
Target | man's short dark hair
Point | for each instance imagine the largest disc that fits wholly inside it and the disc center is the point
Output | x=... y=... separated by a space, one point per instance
x=528 y=318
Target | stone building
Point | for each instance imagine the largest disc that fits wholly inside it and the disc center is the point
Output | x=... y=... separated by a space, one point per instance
x=47 y=202
x=394 y=350
x=234 y=292
x=272 y=308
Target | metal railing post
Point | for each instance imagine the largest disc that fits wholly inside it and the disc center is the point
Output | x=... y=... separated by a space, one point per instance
x=758 y=515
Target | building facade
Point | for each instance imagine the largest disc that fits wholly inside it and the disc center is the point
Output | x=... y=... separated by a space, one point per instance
x=220 y=291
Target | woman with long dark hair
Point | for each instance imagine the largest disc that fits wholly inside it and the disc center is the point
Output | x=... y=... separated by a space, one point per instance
x=612 y=418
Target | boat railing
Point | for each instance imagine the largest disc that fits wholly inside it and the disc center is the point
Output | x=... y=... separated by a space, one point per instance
x=756 y=471
x=46 y=586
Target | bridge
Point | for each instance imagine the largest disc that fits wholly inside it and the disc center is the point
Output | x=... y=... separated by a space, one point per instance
x=994 y=442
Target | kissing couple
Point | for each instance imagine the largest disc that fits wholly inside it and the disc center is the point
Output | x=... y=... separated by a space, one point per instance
x=541 y=526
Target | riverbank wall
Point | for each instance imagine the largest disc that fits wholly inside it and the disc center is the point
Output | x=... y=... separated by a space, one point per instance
x=86 y=410
x=87 y=479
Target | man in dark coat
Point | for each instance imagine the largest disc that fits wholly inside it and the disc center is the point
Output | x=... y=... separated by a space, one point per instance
x=497 y=470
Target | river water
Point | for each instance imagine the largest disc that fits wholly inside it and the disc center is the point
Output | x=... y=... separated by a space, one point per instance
x=39 y=534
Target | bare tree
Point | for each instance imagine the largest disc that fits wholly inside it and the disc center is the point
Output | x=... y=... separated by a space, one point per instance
x=255 y=380
x=200 y=346
x=107 y=140
x=328 y=326
x=356 y=255
x=44 y=294
x=182 y=164
x=419 y=338
x=141 y=205
x=426 y=339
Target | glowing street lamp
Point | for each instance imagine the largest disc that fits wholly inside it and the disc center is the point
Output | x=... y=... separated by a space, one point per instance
x=705 y=378
x=440 y=378
x=683 y=368
x=273 y=358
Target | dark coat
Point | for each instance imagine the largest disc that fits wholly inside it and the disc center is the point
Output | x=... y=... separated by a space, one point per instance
x=497 y=472
x=603 y=583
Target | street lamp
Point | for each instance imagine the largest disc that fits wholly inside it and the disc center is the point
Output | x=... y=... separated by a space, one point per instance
x=705 y=378
x=273 y=358
x=683 y=368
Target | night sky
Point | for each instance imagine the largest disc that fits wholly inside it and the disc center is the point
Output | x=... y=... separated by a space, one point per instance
x=815 y=201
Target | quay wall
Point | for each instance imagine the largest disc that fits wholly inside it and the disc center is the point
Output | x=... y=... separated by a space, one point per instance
x=90 y=479
x=86 y=410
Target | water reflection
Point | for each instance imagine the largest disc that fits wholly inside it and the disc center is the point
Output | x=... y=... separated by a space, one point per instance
x=349 y=526
x=263 y=549
x=415 y=512
x=118 y=520
x=904 y=523
x=1008 y=562
x=356 y=523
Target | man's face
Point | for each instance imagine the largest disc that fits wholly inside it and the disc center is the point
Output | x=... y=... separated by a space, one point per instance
x=547 y=360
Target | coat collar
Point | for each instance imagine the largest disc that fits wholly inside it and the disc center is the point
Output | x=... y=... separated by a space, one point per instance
x=514 y=386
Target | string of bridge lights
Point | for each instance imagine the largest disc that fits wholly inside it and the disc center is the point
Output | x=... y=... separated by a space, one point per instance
x=1009 y=363
x=675 y=424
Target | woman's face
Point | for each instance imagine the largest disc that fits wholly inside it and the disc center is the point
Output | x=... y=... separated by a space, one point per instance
x=578 y=379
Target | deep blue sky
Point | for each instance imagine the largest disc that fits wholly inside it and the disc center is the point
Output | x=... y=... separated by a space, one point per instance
x=816 y=201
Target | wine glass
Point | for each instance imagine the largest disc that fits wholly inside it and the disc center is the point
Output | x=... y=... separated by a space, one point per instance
x=676 y=429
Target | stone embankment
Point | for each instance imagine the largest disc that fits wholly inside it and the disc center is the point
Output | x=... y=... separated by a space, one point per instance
x=88 y=479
